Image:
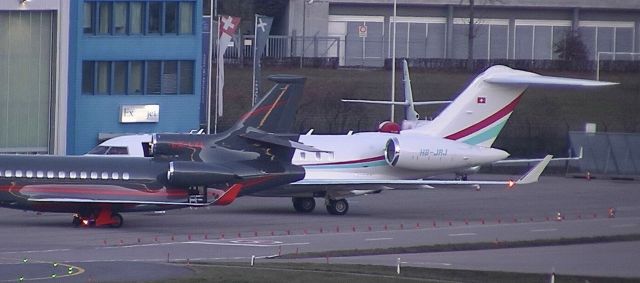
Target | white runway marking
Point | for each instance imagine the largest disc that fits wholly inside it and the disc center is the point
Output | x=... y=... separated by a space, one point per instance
x=462 y=234
x=31 y=252
x=378 y=239
x=429 y=263
x=247 y=244
x=544 y=230
x=624 y=225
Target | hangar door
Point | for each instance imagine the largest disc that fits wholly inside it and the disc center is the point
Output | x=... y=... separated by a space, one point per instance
x=27 y=66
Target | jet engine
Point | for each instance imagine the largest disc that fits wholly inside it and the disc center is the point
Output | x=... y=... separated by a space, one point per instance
x=186 y=173
x=436 y=154
x=180 y=147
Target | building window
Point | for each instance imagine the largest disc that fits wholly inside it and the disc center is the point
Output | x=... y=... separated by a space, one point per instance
x=186 y=17
x=88 y=76
x=131 y=77
x=87 y=24
x=136 y=77
x=170 y=77
x=119 y=18
x=186 y=77
x=104 y=18
x=153 y=77
x=104 y=76
x=171 y=18
x=155 y=13
x=136 y=17
x=120 y=77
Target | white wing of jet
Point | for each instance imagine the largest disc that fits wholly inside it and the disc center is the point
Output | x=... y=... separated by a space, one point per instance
x=528 y=178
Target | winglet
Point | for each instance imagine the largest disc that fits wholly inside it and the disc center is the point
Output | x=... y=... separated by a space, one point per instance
x=229 y=196
x=533 y=174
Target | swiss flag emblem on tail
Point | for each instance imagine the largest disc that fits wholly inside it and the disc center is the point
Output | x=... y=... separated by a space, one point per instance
x=482 y=100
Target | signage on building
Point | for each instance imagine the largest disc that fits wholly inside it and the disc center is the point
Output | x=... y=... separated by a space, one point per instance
x=140 y=113
x=362 y=30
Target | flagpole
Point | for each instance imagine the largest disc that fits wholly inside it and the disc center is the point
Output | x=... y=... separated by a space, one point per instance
x=210 y=58
x=255 y=51
x=393 y=63
x=215 y=116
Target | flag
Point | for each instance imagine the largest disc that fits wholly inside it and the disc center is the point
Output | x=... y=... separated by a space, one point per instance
x=482 y=100
x=227 y=26
x=262 y=30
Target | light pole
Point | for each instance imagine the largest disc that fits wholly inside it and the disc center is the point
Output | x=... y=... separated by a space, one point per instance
x=304 y=21
x=393 y=63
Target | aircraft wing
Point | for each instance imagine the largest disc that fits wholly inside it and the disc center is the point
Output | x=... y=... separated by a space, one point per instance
x=530 y=177
x=545 y=80
x=384 y=102
x=274 y=139
x=514 y=161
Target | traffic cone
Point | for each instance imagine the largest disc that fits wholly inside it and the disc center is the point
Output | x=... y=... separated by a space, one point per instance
x=588 y=176
x=612 y=212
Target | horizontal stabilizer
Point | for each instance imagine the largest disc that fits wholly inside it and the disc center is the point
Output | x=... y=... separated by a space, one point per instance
x=543 y=80
x=276 y=140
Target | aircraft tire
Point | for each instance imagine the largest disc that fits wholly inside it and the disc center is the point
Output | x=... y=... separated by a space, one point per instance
x=304 y=205
x=117 y=220
x=338 y=207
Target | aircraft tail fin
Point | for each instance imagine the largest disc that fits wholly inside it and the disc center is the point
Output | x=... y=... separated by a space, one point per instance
x=480 y=112
x=275 y=112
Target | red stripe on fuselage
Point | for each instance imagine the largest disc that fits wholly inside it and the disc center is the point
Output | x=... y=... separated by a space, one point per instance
x=93 y=190
x=486 y=122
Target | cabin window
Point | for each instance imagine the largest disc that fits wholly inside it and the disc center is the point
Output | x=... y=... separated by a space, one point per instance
x=125 y=176
x=50 y=174
x=73 y=175
x=29 y=174
x=61 y=174
x=83 y=175
x=104 y=175
x=39 y=174
x=115 y=176
x=18 y=173
x=1 y=173
x=8 y=173
x=318 y=155
x=94 y=175
x=303 y=155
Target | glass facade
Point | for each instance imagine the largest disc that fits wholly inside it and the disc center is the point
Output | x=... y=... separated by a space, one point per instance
x=27 y=64
x=138 y=17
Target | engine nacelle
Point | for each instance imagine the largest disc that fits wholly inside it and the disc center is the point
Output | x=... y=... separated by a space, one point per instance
x=186 y=173
x=419 y=152
x=177 y=146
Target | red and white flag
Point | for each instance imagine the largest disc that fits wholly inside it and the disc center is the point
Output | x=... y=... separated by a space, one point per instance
x=227 y=28
x=482 y=100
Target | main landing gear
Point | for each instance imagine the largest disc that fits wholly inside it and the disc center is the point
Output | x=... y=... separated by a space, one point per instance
x=105 y=218
x=304 y=205
x=337 y=206
x=308 y=204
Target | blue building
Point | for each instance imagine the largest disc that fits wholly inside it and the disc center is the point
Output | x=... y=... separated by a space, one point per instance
x=74 y=71
x=132 y=56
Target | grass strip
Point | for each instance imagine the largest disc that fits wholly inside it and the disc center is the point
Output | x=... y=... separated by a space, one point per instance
x=467 y=246
x=353 y=273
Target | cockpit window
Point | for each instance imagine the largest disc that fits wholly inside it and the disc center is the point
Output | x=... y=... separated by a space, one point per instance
x=118 y=150
x=99 y=150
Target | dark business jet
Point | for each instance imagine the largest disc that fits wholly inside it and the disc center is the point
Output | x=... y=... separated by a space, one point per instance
x=212 y=170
